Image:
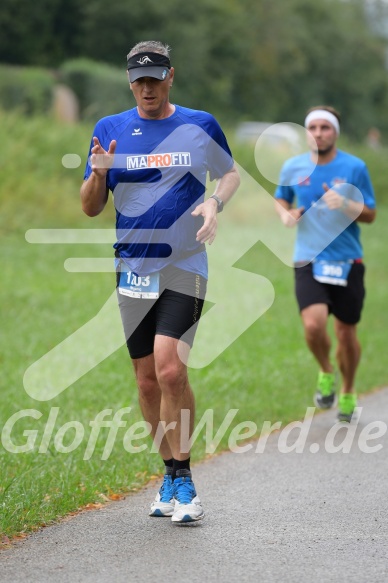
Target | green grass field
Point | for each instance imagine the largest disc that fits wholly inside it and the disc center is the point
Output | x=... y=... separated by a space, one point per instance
x=266 y=372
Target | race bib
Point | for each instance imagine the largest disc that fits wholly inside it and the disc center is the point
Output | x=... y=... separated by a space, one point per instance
x=332 y=272
x=136 y=286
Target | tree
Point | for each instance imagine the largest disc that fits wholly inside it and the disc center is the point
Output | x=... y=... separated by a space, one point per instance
x=43 y=32
x=239 y=59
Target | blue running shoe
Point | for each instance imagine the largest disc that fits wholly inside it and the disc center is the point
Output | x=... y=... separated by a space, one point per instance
x=164 y=503
x=187 y=504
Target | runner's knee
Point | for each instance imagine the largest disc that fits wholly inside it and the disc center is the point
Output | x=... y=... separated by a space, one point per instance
x=148 y=386
x=346 y=333
x=172 y=378
x=313 y=328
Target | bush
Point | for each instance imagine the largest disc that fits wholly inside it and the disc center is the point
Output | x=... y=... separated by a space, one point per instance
x=101 y=89
x=28 y=89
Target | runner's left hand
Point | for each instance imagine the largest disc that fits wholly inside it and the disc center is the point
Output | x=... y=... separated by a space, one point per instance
x=208 y=210
x=333 y=200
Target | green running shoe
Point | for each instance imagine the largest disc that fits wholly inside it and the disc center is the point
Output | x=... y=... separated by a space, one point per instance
x=347 y=403
x=325 y=396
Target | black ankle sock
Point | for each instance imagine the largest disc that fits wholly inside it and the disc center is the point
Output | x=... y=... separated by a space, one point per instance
x=180 y=465
x=168 y=464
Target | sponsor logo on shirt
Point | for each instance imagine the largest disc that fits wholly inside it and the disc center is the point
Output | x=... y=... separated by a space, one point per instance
x=158 y=160
x=338 y=180
x=304 y=180
x=137 y=132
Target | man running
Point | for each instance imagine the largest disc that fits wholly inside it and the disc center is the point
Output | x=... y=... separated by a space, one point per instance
x=155 y=158
x=325 y=193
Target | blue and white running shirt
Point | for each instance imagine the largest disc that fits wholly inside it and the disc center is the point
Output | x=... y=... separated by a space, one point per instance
x=158 y=178
x=301 y=181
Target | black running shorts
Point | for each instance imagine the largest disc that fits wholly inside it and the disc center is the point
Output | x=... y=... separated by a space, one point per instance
x=345 y=303
x=175 y=313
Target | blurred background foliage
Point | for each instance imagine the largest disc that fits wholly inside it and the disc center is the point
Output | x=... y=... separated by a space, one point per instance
x=239 y=59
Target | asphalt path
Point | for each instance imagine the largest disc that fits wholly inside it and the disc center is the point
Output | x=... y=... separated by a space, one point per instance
x=320 y=514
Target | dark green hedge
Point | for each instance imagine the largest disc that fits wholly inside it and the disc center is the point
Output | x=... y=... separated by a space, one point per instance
x=29 y=89
x=101 y=89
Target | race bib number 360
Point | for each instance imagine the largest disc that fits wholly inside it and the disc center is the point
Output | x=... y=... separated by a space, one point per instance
x=332 y=272
x=136 y=286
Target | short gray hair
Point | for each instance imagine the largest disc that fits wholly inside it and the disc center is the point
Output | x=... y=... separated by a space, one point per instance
x=153 y=46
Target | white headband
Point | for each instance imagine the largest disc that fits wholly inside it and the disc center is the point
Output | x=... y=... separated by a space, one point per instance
x=322 y=114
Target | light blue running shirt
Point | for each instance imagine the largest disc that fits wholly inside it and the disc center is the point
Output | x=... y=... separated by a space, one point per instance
x=306 y=188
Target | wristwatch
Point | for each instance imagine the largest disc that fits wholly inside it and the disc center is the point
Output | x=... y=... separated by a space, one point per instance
x=220 y=203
